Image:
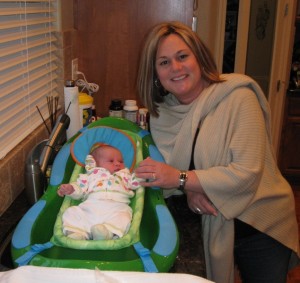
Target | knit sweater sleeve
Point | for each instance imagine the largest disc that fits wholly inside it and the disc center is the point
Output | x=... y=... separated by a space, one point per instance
x=231 y=150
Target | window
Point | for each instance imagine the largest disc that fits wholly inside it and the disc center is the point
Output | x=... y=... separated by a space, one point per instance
x=28 y=67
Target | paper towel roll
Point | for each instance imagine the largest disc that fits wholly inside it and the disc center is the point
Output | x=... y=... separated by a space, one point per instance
x=72 y=109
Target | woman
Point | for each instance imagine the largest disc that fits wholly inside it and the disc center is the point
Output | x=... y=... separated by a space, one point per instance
x=214 y=133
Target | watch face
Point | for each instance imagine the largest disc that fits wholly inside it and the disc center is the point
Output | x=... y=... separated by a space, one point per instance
x=182 y=179
x=182 y=176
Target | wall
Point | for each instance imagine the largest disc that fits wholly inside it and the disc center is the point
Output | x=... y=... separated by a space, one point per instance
x=12 y=167
x=110 y=38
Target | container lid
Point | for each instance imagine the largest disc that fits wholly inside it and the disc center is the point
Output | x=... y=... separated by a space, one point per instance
x=70 y=83
x=85 y=99
x=130 y=102
x=143 y=110
x=130 y=105
x=116 y=103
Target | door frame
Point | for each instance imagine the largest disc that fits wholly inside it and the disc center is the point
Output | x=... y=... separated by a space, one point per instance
x=212 y=15
x=281 y=66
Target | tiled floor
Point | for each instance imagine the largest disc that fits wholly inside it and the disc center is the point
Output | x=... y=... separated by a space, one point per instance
x=190 y=258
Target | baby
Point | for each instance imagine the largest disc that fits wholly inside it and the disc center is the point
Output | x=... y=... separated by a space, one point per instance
x=106 y=189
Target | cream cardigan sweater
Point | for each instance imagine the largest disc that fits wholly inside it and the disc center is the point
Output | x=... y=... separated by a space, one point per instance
x=234 y=164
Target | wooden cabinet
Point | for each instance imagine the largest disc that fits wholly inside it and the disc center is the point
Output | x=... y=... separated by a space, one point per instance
x=289 y=160
x=110 y=36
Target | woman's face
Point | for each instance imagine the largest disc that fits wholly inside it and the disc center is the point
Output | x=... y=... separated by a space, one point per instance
x=178 y=70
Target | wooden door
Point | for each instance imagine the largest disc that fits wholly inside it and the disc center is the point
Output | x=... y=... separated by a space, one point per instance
x=110 y=36
x=289 y=157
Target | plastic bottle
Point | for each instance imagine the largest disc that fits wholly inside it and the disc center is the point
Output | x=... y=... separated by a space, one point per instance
x=85 y=106
x=143 y=118
x=116 y=108
x=130 y=110
x=72 y=107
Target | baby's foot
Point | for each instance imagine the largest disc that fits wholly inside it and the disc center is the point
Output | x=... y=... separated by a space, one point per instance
x=76 y=236
x=100 y=232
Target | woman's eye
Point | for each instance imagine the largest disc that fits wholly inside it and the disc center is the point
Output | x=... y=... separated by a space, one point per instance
x=183 y=56
x=162 y=63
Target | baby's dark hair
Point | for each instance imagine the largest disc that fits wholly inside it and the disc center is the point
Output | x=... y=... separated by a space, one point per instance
x=99 y=146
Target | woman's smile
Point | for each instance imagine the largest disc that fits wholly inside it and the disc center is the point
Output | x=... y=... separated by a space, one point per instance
x=179 y=78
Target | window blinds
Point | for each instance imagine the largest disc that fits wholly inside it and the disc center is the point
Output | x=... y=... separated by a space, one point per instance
x=28 y=67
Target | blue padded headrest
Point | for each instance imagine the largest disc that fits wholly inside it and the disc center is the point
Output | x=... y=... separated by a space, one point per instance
x=82 y=145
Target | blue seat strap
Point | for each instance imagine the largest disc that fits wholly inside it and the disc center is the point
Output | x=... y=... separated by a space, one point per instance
x=34 y=250
x=145 y=255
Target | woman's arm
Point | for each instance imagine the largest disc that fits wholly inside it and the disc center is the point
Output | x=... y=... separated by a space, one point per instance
x=167 y=177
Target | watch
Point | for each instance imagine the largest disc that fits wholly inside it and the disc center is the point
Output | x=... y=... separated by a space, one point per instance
x=183 y=176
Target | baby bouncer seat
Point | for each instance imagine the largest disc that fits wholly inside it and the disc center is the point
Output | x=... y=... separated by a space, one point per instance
x=151 y=243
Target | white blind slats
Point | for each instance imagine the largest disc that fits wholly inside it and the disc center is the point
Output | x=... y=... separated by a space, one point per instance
x=9 y=92
x=8 y=120
x=23 y=10
x=33 y=119
x=16 y=35
x=5 y=51
x=15 y=61
x=28 y=67
x=22 y=1
x=12 y=99
x=22 y=23
x=21 y=69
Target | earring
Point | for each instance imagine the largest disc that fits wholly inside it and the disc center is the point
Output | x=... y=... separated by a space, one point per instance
x=161 y=90
x=157 y=83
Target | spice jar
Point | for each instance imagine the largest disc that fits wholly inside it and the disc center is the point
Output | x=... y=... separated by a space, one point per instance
x=130 y=110
x=116 y=108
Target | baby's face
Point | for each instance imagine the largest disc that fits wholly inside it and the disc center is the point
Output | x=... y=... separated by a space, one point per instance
x=110 y=159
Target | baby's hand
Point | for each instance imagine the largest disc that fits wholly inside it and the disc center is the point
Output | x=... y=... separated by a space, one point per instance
x=65 y=189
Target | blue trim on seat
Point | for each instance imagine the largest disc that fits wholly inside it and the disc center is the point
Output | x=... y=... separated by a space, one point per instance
x=155 y=154
x=145 y=255
x=167 y=238
x=143 y=133
x=59 y=165
x=21 y=236
x=34 y=250
x=83 y=143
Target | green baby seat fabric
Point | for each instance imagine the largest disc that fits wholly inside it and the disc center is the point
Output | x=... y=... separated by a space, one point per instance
x=130 y=144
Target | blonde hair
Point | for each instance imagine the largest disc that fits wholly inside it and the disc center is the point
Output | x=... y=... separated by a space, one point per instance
x=149 y=94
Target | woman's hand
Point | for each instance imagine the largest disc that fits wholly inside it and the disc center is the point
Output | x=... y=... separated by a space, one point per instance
x=158 y=174
x=200 y=204
x=167 y=177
